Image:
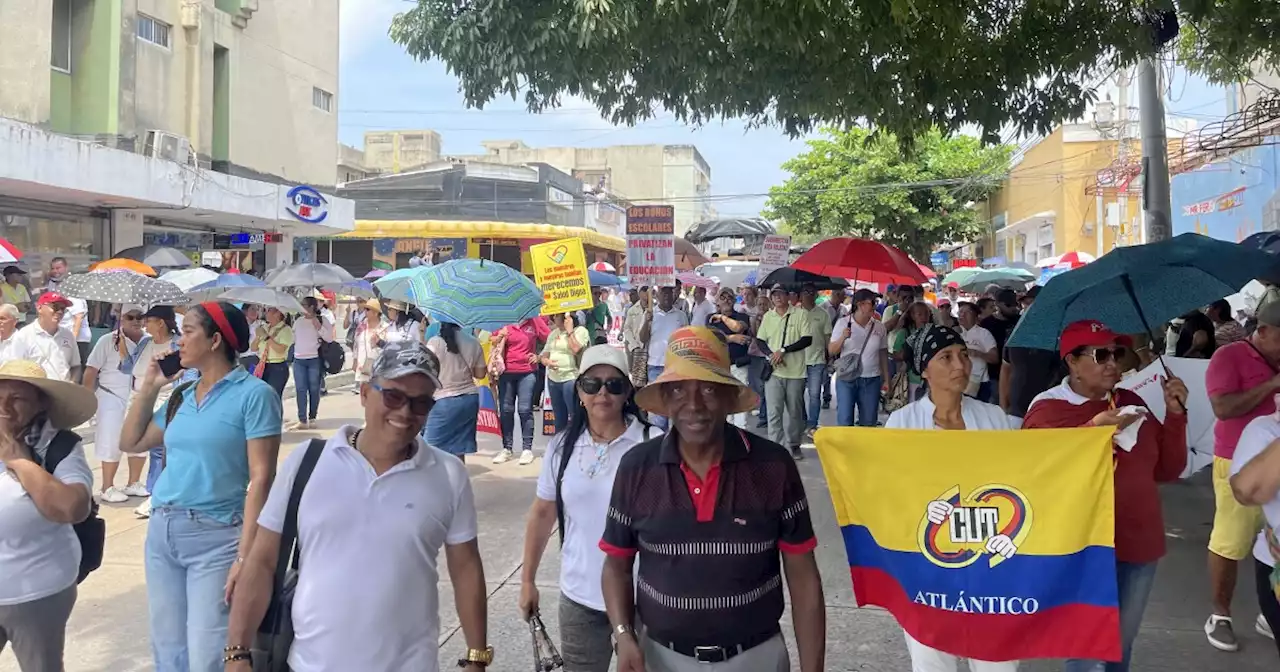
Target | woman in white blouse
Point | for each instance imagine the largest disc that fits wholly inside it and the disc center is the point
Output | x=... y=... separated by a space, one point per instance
x=943 y=361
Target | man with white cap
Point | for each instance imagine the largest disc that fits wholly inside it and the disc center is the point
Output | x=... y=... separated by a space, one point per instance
x=45 y=342
x=370 y=532
x=109 y=374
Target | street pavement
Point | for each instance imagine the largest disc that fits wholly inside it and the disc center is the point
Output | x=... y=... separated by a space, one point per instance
x=108 y=630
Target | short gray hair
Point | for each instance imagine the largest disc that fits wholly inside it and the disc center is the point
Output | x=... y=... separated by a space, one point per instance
x=10 y=310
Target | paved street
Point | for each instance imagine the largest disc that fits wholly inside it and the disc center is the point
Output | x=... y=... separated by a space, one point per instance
x=108 y=631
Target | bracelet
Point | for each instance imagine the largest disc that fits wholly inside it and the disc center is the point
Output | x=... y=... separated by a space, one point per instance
x=237 y=657
x=234 y=649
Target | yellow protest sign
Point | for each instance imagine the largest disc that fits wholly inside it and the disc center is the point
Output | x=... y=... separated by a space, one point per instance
x=560 y=271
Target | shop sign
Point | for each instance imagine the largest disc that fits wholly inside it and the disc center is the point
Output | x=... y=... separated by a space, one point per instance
x=559 y=197
x=1228 y=201
x=560 y=271
x=497 y=241
x=651 y=245
x=964 y=263
x=266 y=238
x=774 y=254
x=938 y=259
x=306 y=204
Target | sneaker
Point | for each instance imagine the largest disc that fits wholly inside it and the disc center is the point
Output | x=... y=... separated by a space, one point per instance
x=808 y=433
x=295 y=426
x=796 y=453
x=526 y=457
x=1221 y=635
x=136 y=490
x=1262 y=627
x=504 y=456
x=826 y=405
x=144 y=509
x=113 y=495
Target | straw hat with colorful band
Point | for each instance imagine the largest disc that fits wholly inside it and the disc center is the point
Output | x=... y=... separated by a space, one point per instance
x=69 y=406
x=696 y=353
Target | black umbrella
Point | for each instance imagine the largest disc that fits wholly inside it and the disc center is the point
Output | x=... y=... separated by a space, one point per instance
x=1267 y=241
x=793 y=278
x=732 y=227
x=156 y=256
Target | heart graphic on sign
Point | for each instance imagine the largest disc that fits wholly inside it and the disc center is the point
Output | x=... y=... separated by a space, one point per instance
x=557 y=255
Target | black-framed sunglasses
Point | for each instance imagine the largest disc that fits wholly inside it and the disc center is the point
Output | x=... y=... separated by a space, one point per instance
x=1104 y=355
x=615 y=386
x=395 y=399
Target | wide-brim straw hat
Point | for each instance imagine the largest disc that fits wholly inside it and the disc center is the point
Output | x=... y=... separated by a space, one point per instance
x=70 y=405
x=398 y=306
x=696 y=353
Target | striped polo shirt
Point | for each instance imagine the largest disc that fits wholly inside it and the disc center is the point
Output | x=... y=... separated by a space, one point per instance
x=710 y=573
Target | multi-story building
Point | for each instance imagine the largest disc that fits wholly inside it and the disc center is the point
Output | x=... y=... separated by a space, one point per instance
x=399 y=151
x=167 y=121
x=674 y=174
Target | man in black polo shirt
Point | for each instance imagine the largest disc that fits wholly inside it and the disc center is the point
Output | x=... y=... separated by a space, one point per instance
x=718 y=514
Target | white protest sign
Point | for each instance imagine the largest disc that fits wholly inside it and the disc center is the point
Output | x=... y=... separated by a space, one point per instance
x=774 y=254
x=1200 y=418
x=651 y=245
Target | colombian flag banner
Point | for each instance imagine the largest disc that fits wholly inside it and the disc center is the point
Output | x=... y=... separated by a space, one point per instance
x=995 y=545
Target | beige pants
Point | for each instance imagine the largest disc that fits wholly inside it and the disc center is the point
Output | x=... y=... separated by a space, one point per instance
x=925 y=659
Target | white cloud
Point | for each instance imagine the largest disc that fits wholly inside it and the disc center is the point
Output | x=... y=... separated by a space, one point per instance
x=363 y=23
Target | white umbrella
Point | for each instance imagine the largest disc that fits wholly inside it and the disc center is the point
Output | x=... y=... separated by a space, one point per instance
x=187 y=278
x=328 y=276
x=263 y=296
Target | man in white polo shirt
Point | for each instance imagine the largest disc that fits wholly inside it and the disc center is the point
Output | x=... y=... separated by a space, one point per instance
x=45 y=342
x=374 y=514
x=659 y=323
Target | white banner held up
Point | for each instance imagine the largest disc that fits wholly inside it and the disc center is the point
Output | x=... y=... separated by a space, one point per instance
x=774 y=254
x=651 y=245
x=1200 y=418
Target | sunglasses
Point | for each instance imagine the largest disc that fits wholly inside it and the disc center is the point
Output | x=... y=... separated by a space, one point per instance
x=131 y=318
x=615 y=386
x=1104 y=355
x=395 y=399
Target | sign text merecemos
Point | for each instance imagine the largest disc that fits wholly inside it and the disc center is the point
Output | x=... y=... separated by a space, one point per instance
x=560 y=271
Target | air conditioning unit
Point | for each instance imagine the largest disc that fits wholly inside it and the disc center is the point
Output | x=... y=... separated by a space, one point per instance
x=169 y=146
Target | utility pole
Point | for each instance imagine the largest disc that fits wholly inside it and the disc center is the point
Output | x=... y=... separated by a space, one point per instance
x=1156 y=201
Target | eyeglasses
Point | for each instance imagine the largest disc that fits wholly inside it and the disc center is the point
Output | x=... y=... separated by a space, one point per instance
x=615 y=386
x=1104 y=355
x=395 y=399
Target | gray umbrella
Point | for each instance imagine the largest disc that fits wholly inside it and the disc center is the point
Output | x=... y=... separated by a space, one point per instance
x=264 y=296
x=729 y=227
x=123 y=287
x=328 y=276
x=156 y=256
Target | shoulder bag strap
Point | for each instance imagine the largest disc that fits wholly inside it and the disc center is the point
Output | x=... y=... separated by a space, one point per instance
x=59 y=448
x=289 y=548
x=565 y=452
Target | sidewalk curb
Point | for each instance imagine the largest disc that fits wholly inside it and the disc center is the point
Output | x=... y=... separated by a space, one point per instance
x=331 y=383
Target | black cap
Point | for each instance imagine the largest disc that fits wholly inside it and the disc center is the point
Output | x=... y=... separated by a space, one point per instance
x=161 y=312
x=14 y=269
x=865 y=295
x=1007 y=297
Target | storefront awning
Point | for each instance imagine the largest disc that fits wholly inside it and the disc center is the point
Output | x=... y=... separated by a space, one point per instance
x=367 y=229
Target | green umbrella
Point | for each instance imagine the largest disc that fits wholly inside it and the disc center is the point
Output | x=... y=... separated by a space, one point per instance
x=1006 y=278
x=960 y=275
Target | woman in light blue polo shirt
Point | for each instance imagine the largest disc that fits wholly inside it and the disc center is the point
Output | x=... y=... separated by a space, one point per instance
x=221 y=447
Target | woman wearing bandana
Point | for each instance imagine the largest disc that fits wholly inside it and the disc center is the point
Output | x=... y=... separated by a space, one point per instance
x=939 y=354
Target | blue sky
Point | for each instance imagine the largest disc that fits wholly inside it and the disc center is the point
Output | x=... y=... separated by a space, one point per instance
x=383 y=88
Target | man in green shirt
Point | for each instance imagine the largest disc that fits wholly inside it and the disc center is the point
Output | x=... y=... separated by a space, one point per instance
x=598 y=317
x=784 y=334
x=815 y=356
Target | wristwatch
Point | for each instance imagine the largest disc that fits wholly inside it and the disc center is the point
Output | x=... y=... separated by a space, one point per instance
x=482 y=657
x=620 y=630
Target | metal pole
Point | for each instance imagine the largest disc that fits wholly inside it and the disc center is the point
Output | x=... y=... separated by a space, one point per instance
x=1155 y=155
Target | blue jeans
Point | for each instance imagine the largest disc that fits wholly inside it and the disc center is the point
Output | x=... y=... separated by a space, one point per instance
x=658 y=421
x=562 y=402
x=306 y=382
x=862 y=394
x=277 y=376
x=188 y=556
x=1134 y=582
x=815 y=378
x=515 y=394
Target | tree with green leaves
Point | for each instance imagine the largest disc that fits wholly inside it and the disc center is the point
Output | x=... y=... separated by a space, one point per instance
x=859 y=183
x=905 y=66
x=1227 y=41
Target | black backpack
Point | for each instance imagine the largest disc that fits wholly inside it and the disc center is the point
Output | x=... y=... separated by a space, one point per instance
x=333 y=356
x=92 y=531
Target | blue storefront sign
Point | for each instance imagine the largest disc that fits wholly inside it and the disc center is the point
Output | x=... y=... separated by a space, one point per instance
x=307 y=205
x=938 y=259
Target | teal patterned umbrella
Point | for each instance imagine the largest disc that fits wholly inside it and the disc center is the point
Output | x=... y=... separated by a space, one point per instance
x=398 y=285
x=475 y=293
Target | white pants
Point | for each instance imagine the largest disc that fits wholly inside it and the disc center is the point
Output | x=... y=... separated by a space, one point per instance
x=925 y=659
x=109 y=423
x=743 y=374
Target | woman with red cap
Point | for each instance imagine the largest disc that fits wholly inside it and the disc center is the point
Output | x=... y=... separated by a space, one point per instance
x=1146 y=452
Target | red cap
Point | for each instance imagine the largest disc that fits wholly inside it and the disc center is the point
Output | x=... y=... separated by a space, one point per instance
x=953 y=285
x=52 y=297
x=1089 y=333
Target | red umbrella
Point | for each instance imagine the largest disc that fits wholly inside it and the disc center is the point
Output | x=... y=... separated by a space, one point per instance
x=862 y=260
x=694 y=280
x=928 y=272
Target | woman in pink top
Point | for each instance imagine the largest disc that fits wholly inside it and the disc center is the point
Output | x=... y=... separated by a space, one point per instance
x=518 y=344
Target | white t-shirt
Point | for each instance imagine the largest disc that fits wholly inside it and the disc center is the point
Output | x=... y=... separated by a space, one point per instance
x=367 y=596
x=105 y=357
x=976 y=414
x=410 y=331
x=38 y=557
x=586 y=491
x=78 y=308
x=660 y=330
x=6 y=348
x=978 y=339
x=874 y=337
x=1259 y=434
x=306 y=338
x=701 y=312
x=456 y=370
x=56 y=353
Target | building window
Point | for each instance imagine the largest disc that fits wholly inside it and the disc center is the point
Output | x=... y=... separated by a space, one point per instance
x=60 y=45
x=321 y=99
x=152 y=30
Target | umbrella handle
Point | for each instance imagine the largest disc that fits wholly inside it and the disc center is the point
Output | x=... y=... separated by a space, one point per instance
x=1128 y=288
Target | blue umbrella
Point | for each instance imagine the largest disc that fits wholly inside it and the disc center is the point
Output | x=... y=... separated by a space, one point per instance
x=1132 y=288
x=397 y=285
x=599 y=279
x=476 y=293
x=218 y=286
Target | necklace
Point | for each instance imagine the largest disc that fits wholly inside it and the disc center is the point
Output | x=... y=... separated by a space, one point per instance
x=355 y=443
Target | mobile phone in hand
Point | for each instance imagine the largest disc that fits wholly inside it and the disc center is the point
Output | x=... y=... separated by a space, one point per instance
x=171 y=364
